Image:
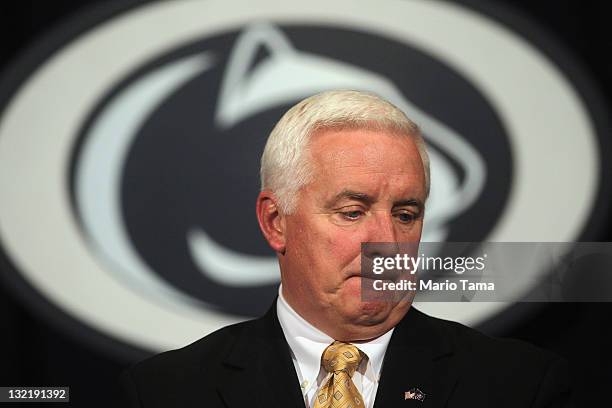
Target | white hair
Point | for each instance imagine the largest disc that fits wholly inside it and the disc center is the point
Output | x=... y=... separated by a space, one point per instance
x=285 y=169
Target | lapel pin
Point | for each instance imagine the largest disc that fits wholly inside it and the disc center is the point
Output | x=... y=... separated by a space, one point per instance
x=414 y=394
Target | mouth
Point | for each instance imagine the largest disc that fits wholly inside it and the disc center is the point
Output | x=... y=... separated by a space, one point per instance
x=367 y=276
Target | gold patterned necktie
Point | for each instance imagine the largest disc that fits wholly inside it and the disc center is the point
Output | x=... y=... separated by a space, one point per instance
x=341 y=360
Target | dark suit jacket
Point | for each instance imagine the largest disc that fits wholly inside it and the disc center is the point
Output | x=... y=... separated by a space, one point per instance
x=249 y=365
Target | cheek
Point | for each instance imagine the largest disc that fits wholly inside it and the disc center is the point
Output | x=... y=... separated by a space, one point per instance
x=345 y=245
x=413 y=233
x=323 y=247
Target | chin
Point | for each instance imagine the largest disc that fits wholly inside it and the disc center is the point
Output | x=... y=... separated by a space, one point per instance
x=369 y=313
x=373 y=306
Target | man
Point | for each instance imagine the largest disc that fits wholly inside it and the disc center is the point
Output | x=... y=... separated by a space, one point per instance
x=342 y=168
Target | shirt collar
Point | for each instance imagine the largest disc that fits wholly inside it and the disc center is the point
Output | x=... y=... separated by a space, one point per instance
x=308 y=343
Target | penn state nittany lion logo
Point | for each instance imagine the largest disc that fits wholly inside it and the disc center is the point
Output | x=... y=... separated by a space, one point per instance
x=220 y=104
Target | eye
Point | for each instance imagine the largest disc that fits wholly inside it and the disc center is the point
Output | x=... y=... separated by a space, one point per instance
x=406 y=217
x=348 y=215
x=352 y=215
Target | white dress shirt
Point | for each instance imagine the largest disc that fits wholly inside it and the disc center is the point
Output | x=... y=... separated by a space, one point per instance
x=307 y=344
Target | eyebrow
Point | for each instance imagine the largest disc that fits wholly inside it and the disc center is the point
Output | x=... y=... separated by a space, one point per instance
x=409 y=202
x=353 y=195
x=367 y=199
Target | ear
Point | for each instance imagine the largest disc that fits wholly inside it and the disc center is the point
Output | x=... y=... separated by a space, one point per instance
x=271 y=221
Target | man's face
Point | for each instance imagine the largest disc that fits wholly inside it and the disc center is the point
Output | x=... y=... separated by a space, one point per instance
x=368 y=187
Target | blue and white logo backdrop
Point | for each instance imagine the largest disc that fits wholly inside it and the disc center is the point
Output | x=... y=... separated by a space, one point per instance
x=129 y=155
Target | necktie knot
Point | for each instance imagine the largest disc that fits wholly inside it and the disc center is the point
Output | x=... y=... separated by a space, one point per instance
x=340 y=356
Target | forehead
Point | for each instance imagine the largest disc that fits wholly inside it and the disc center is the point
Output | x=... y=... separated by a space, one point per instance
x=353 y=156
x=331 y=148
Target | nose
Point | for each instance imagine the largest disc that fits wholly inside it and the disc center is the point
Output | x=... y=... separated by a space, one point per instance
x=381 y=237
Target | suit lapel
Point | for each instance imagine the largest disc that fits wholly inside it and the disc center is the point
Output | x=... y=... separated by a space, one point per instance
x=419 y=357
x=259 y=369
